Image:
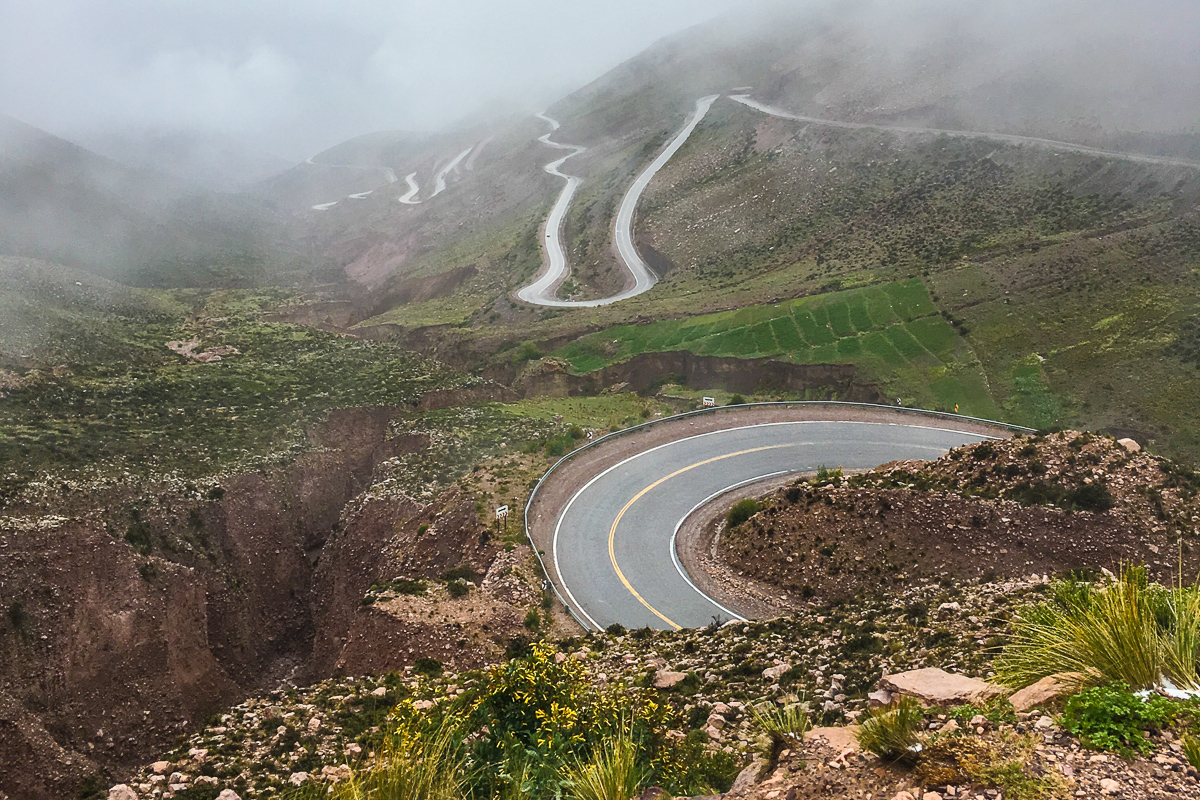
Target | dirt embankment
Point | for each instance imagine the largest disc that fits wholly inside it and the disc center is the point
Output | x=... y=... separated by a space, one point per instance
x=129 y=619
x=1011 y=508
x=646 y=372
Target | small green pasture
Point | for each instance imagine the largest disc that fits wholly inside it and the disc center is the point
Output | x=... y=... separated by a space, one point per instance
x=893 y=331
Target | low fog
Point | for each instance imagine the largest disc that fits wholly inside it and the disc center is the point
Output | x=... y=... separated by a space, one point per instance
x=298 y=76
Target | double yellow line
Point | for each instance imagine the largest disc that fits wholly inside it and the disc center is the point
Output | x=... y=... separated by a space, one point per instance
x=612 y=532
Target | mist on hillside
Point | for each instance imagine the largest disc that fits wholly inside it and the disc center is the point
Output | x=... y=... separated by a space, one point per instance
x=179 y=105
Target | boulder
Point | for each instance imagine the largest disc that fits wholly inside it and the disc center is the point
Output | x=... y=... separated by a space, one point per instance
x=379 y=691
x=664 y=679
x=774 y=673
x=904 y=796
x=746 y=779
x=1109 y=786
x=936 y=687
x=880 y=698
x=1044 y=691
x=121 y=792
x=1130 y=445
x=297 y=778
x=228 y=794
x=160 y=767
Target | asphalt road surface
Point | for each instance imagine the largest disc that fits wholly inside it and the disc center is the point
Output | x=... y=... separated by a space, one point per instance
x=613 y=542
x=542 y=291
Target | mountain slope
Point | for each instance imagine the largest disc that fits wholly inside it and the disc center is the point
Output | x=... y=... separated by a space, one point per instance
x=60 y=202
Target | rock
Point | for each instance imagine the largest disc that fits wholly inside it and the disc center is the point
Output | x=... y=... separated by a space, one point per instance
x=720 y=708
x=747 y=777
x=423 y=705
x=1043 y=723
x=879 y=699
x=379 y=692
x=121 y=792
x=297 y=778
x=841 y=739
x=950 y=727
x=1130 y=445
x=339 y=773
x=664 y=679
x=1109 y=786
x=715 y=721
x=903 y=796
x=774 y=673
x=160 y=767
x=228 y=794
x=936 y=687
x=1044 y=691
x=931 y=796
x=314 y=725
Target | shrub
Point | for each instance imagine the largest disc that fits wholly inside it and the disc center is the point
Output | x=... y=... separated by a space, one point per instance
x=457 y=588
x=824 y=473
x=891 y=732
x=463 y=572
x=427 y=666
x=742 y=510
x=532 y=620
x=1111 y=718
x=612 y=773
x=736 y=400
x=616 y=629
x=1129 y=631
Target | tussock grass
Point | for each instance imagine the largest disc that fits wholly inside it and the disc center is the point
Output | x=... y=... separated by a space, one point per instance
x=1128 y=631
x=612 y=773
x=892 y=731
x=1191 y=750
x=411 y=765
x=784 y=726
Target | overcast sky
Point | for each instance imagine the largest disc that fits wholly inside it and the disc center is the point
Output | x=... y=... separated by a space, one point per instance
x=300 y=75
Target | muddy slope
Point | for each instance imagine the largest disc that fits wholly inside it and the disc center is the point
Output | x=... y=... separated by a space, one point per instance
x=645 y=373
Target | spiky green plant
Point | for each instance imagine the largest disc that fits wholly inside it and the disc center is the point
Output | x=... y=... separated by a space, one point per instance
x=785 y=726
x=892 y=732
x=612 y=773
x=1191 y=750
x=411 y=765
x=1130 y=631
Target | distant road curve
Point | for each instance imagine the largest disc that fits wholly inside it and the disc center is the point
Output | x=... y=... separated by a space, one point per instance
x=748 y=101
x=410 y=197
x=607 y=518
x=541 y=292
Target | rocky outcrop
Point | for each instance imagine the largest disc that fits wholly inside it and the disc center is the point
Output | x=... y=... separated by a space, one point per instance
x=936 y=687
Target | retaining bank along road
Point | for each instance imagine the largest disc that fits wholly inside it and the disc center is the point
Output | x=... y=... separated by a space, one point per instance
x=605 y=519
x=641 y=278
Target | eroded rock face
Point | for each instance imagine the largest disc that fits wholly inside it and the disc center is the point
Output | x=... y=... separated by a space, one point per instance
x=936 y=687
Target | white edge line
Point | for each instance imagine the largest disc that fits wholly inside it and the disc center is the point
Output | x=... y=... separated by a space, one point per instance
x=563 y=514
x=697 y=507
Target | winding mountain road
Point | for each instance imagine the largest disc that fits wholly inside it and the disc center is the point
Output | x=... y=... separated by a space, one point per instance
x=610 y=547
x=542 y=291
x=1071 y=147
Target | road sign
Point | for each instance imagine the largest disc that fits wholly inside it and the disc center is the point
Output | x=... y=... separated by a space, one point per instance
x=709 y=402
x=501 y=512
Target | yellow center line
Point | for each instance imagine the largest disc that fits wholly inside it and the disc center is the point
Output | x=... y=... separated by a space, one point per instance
x=612 y=532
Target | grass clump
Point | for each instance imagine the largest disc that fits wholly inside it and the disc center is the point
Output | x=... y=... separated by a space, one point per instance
x=784 y=727
x=413 y=764
x=1129 y=631
x=612 y=773
x=742 y=510
x=1191 y=750
x=892 y=732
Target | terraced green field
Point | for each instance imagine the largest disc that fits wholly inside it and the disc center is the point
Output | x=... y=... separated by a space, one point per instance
x=893 y=331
